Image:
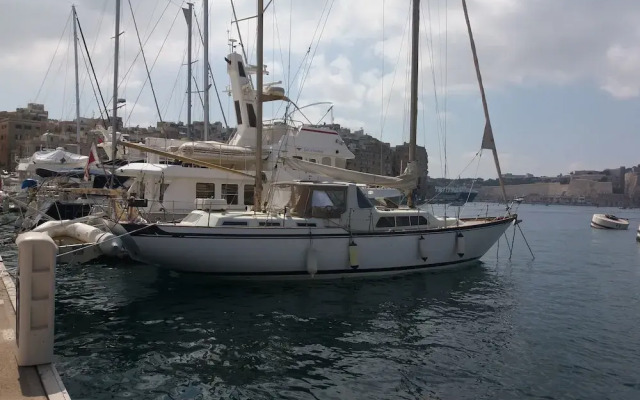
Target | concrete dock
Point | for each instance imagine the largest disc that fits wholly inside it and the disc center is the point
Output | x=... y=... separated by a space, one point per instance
x=36 y=382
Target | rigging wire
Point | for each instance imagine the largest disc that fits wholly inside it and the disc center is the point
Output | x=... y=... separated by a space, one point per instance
x=430 y=53
x=235 y=17
x=154 y=63
x=302 y=62
x=66 y=76
x=213 y=79
x=289 y=60
x=144 y=58
x=287 y=73
x=382 y=89
x=95 y=94
x=126 y=74
x=95 y=42
x=446 y=79
x=66 y=26
x=393 y=80
x=84 y=42
x=175 y=83
x=477 y=155
x=306 y=74
x=475 y=178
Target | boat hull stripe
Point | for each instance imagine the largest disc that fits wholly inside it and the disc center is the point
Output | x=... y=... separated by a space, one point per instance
x=349 y=271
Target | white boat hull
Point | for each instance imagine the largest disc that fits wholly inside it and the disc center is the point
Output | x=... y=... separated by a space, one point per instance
x=282 y=252
x=604 y=221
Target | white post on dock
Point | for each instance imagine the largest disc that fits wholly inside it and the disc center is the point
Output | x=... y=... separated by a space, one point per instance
x=35 y=298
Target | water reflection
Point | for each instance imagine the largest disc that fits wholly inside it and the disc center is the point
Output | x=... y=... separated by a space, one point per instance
x=179 y=334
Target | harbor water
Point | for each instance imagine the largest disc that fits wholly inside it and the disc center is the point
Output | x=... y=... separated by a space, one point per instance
x=563 y=326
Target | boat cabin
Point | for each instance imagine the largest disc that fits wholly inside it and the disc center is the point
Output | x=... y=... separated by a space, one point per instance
x=317 y=205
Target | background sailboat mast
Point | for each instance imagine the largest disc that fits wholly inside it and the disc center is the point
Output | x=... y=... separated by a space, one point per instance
x=188 y=13
x=206 y=69
x=413 y=116
x=114 y=121
x=258 y=185
x=487 y=139
x=75 y=55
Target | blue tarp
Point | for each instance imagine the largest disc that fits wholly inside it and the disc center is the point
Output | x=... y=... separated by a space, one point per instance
x=29 y=183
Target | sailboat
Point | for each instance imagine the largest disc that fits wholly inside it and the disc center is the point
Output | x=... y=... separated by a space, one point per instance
x=307 y=229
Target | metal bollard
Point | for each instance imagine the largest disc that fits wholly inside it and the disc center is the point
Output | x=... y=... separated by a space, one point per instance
x=35 y=298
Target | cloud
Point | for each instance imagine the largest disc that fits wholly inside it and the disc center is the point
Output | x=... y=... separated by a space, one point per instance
x=622 y=79
x=357 y=52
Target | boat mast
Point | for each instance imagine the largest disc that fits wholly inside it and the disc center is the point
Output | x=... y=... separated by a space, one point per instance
x=206 y=69
x=258 y=184
x=188 y=13
x=413 y=116
x=75 y=54
x=487 y=139
x=114 y=121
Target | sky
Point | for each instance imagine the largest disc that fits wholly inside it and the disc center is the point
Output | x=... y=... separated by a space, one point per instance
x=562 y=77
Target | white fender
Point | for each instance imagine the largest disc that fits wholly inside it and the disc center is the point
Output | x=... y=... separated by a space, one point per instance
x=353 y=255
x=460 y=244
x=422 y=248
x=312 y=261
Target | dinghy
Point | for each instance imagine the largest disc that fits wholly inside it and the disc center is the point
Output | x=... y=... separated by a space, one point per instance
x=79 y=242
x=609 y=221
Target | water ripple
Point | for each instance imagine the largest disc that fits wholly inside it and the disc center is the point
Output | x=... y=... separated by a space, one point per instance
x=561 y=327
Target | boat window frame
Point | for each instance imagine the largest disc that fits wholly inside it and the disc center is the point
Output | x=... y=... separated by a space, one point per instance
x=213 y=191
x=241 y=71
x=301 y=201
x=248 y=194
x=236 y=104
x=233 y=196
x=251 y=112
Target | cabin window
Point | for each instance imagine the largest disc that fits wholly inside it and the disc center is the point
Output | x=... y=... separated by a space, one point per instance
x=297 y=157
x=205 y=190
x=241 y=70
x=234 y=223
x=319 y=202
x=313 y=160
x=386 y=222
x=311 y=224
x=252 y=115
x=238 y=114
x=418 y=220
x=248 y=195
x=326 y=160
x=269 y=223
x=191 y=218
x=363 y=201
x=403 y=221
x=230 y=193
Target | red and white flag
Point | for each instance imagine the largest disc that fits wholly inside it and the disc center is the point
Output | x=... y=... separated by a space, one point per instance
x=93 y=158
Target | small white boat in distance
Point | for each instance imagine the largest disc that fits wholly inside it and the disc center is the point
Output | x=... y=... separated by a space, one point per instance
x=609 y=221
x=638 y=235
